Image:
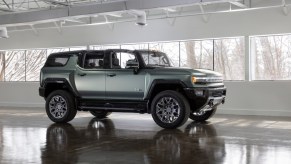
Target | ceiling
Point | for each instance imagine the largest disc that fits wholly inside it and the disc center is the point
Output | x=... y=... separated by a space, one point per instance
x=35 y=14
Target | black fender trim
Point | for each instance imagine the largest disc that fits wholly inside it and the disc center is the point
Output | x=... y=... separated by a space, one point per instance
x=163 y=81
x=158 y=82
x=62 y=81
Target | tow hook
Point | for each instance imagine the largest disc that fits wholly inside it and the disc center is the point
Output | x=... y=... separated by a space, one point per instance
x=223 y=100
x=210 y=103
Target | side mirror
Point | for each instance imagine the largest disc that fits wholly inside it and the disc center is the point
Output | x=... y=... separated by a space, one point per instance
x=132 y=64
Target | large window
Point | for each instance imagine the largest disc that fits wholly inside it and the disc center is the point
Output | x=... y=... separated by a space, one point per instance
x=35 y=60
x=54 y=50
x=197 y=54
x=15 y=65
x=135 y=46
x=226 y=56
x=271 y=57
x=78 y=48
x=229 y=58
x=170 y=48
x=104 y=47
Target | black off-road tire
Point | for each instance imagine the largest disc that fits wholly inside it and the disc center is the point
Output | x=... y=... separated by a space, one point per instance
x=100 y=114
x=200 y=118
x=68 y=99
x=177 y=100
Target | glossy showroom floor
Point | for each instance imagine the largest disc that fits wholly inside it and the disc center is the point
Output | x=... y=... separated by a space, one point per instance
x=28 y=136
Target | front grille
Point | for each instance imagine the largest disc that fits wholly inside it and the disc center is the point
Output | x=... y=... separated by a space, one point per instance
x=218 y=93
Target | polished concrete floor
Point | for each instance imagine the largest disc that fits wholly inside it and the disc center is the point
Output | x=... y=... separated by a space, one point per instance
x=28 y=136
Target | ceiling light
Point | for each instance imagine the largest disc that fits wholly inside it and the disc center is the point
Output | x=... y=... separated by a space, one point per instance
x=3 y=32
x=140 y=16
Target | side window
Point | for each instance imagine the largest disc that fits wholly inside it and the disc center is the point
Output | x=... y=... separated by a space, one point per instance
x=123 y=58
x=94 y=61
x=56 y=61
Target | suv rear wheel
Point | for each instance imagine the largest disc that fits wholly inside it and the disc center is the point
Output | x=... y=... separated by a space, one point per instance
x=100 y=114
x=202 y=116
x=170 y=109
x=60 y=106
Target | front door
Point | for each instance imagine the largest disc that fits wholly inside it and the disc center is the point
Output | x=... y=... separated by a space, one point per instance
x=122 y=82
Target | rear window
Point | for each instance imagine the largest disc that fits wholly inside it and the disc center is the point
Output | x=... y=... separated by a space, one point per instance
x=56 y=61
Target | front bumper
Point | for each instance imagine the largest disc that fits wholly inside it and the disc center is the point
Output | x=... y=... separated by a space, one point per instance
x=205 y=99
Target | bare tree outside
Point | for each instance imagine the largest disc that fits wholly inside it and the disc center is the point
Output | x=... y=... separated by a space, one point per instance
x=15 y=65
x=124 y=57
x=272 y=57
x=78 y=48
x=197 y=54
x=2 y=67
x=103 y=47
x=54 y=50
x=170 y=48
x=135 y=46
x=35 y=60
x=229 y=58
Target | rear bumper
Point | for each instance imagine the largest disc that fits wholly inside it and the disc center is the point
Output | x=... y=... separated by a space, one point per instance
x=41 y=91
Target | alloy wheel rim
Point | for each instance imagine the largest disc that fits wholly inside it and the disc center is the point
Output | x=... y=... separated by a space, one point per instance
x=168 y=109
x=58 y=107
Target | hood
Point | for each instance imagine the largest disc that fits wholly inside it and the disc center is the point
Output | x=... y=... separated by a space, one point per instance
x=195 y=72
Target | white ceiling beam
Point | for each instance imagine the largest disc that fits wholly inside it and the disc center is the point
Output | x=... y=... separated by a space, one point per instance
x=55 y=14
x=238 y=4
x=117 y=15
x=53 y=2
x=170 y=9
x=151 y=4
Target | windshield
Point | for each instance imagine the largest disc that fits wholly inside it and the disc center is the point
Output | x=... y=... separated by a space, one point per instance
x=155 y=59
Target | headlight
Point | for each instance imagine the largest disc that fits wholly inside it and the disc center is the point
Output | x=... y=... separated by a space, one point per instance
x=214 y=79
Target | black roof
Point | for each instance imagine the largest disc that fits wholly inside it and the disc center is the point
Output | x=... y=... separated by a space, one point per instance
x=80 y=52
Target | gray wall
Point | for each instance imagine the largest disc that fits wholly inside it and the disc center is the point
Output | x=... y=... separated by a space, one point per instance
x=254 y=98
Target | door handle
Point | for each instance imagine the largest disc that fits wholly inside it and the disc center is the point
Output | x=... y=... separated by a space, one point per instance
x=82 y=74
x=111 y=74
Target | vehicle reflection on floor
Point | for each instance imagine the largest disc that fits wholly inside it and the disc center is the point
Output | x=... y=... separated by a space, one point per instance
x=101 y=142
x=28 y=136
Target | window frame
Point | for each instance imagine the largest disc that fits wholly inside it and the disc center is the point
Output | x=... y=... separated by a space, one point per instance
x=253 y=54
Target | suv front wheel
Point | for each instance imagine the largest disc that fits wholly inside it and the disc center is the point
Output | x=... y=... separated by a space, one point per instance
x=170 y=109
x=60 y=106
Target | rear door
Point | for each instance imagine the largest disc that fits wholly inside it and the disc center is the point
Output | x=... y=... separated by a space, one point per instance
x=90 y=76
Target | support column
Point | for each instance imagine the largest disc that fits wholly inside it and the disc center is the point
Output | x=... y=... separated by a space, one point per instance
x=248 y=68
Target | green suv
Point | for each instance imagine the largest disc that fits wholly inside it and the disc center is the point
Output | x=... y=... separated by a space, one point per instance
x=117 y=80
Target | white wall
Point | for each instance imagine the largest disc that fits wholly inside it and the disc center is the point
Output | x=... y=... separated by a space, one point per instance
x=254 y=98
x=20 y=94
